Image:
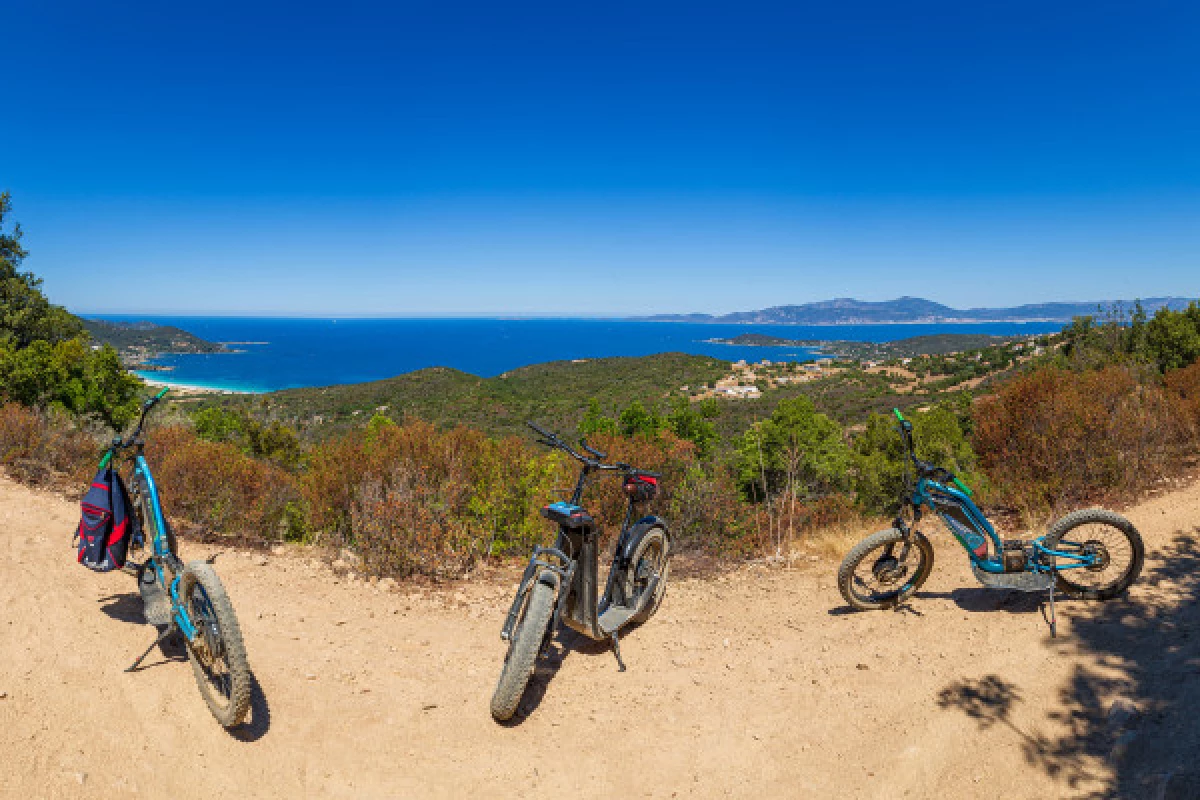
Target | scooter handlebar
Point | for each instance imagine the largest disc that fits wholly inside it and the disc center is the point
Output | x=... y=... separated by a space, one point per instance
x=583 y=443
x=541 y=431
x=552 y=440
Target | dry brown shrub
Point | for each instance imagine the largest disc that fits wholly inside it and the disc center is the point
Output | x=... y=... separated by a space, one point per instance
x=406 y=524
x=42 y=448
x=413 y=499
x=1184 y=386
x=1054 y=438
x=605 y=498
x=217 y=487
x=21 y=431
x=780 y=530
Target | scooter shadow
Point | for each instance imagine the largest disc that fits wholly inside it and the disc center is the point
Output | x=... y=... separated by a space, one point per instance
x=259 y=723
x=904 y=608
x=981 y=599
x=124 y=608
x=565 y=642
x=128 y=608
x=977 y=599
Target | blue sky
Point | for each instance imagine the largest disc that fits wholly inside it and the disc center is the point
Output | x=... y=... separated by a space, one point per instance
x=432 y=158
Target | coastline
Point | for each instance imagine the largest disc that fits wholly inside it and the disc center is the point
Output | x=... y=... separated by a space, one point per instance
x=194 y=389
x=310 y=355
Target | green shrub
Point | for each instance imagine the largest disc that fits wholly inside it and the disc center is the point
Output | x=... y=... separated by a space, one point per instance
x=271 y=441
x=1172 y=338
x=414 y=499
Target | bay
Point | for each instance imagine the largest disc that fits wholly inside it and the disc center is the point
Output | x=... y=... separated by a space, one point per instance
x=282 y=353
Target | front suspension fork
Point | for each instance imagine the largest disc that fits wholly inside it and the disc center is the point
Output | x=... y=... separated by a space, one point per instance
x=532 y=571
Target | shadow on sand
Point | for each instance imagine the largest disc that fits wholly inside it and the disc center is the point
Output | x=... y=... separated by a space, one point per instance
x=128 y=608
x=565 y=642
x=1133 y=700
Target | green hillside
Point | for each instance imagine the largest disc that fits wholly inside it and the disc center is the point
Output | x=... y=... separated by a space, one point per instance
x=136 y=341
x=555 y=393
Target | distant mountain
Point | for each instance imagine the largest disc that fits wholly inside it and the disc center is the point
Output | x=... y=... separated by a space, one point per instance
x=847 y=311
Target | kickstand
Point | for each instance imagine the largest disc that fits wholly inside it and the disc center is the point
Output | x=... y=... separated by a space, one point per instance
x=617 y=652
x=166 y=632
x=1053 y=614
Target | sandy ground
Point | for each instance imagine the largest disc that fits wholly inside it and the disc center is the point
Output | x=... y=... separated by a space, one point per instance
x=756 y=684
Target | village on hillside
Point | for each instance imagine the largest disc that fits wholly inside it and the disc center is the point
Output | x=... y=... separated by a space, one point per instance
x=955 y=369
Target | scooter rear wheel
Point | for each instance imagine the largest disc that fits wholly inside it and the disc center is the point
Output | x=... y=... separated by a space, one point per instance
x=527 y=637
x=1110 y=538
x=652 y=557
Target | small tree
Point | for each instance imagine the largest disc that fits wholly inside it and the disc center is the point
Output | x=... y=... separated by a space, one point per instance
x=637 y=421
x=693 y=422
x=595 y=421
x=1173 y=337
x=26 y=316
x=45 y=358
x=795 y=454
x=796 y=450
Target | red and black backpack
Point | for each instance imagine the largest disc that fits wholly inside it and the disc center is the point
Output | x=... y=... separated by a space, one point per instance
x=105 y=525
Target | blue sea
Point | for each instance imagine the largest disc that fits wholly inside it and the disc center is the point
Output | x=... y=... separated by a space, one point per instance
x=289 y=353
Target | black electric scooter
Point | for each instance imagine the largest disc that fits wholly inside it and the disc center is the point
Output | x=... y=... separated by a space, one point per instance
x=560 y=582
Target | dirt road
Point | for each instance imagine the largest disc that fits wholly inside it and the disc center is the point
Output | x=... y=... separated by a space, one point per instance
x=757 y=684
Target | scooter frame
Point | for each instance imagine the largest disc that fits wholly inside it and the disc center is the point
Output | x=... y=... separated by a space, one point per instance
x=573 y=562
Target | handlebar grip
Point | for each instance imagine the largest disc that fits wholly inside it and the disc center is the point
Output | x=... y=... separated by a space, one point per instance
x=899 y=416
x=966 y=489
x=153 y=401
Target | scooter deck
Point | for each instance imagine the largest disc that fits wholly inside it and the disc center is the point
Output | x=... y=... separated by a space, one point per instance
x=616 y=616
x=1020 y=581
x=156 y=605
x=613 y=618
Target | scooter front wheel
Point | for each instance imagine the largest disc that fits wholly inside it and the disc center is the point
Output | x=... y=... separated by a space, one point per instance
x=527 y=637
x=883 y=570
x=217 y=653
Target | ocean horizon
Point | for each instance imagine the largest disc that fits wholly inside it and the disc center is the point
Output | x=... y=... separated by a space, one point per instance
x=276 y=353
